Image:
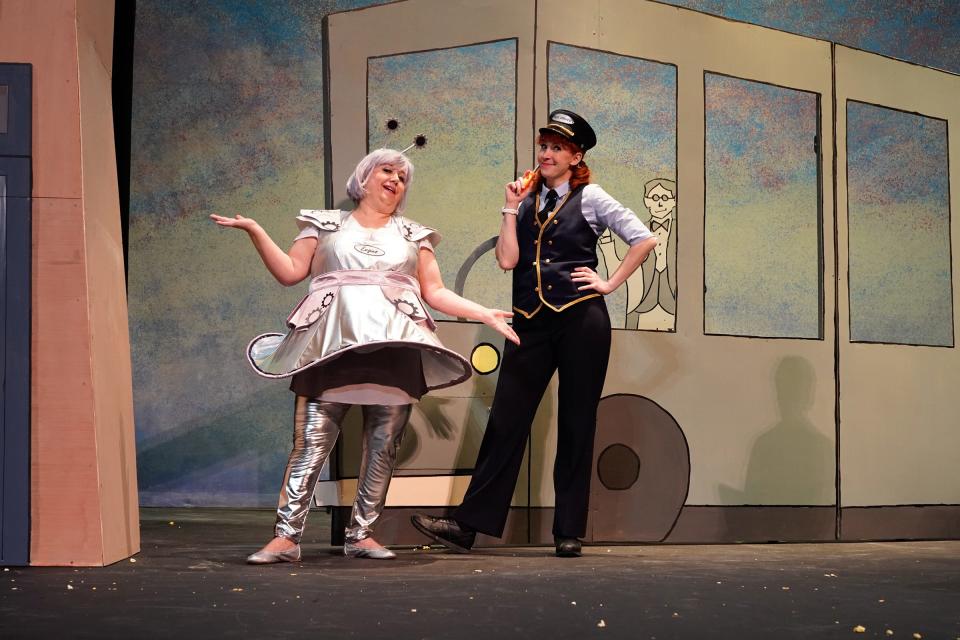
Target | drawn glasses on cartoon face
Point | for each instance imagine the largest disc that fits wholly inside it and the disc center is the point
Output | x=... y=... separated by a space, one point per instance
x=660 y=201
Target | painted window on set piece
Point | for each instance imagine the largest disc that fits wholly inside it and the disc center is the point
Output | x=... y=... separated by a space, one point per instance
x=762 y=217
x=898 y=209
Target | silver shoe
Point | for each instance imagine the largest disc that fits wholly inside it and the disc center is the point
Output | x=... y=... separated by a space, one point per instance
x=269 y=557
x=377 y=553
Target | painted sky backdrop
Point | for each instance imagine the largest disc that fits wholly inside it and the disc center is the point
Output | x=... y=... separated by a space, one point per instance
x=227 y=118
x=899 y=220
x=761 y=228
x=926 y=32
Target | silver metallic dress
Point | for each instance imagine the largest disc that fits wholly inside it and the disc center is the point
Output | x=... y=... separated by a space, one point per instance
x=364 y=295
x=362 y=321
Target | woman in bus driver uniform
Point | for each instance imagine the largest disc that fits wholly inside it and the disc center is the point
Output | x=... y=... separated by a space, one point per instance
x=548 y=238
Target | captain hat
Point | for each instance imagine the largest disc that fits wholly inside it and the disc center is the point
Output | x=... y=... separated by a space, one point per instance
x=572 y=127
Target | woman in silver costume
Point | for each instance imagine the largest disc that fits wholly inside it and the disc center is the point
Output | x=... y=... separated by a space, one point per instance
x=361 y=335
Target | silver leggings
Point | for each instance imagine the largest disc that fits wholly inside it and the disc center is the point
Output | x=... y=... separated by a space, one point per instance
x=316 y=425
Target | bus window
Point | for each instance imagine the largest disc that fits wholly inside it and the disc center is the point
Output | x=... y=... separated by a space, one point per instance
x=762 y=221
x=899 y=221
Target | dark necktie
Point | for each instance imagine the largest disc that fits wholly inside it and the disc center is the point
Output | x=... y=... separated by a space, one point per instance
x=548 y=205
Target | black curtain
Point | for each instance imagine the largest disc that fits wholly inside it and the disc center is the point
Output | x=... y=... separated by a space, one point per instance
x=122 y=89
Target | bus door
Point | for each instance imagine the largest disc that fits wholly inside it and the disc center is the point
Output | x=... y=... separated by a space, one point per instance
x=898 y=184
x=454 y=82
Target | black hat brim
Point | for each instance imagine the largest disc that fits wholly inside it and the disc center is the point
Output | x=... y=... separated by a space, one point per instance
x=566 y=132
x=553 y=127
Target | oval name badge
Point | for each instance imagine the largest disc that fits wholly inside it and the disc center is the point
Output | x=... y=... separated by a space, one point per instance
x=368 y=249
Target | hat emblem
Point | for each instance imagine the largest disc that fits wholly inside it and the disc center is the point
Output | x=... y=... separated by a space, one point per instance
x=562 y=117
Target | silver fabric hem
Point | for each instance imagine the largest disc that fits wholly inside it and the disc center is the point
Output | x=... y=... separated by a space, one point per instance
x=460 y=372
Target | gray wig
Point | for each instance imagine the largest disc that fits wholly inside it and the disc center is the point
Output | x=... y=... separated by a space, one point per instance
x=356 y=183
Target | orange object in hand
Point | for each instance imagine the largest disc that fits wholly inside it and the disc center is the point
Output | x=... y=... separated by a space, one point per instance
x=528 y=177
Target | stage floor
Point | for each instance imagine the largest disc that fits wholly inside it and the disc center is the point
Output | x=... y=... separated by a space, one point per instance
x=190 y=581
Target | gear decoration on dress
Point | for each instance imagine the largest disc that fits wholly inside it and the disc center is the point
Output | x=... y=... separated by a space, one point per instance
x=329 y=225
x=408 y=308
x=318 y=311
x=314 y=315
x=411 y=228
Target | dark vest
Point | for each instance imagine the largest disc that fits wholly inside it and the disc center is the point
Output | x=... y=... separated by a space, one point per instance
x=549 y=254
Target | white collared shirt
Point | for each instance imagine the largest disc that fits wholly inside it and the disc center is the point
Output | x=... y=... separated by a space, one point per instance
x=602 y=212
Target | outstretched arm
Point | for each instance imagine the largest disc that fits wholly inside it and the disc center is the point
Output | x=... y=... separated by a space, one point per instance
x=446 y=301
x=288 y=268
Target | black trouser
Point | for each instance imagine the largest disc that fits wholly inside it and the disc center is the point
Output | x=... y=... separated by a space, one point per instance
x=575 y=342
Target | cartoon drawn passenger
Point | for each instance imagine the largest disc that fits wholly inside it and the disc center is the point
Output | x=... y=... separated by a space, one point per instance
x=652 y=289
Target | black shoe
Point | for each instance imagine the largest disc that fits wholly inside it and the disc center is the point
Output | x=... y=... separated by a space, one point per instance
x=567 y=547
x=446 y=531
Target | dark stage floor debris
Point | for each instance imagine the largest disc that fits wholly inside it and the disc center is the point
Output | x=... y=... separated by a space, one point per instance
x=190 y=581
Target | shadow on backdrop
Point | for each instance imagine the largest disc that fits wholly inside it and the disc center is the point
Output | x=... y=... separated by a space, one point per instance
x=792 y=463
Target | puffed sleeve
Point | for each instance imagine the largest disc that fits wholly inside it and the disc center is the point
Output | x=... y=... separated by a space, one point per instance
x=425 y=237
x=312 y=221
x=425 y=244
x=602 y=211
x=307 y=232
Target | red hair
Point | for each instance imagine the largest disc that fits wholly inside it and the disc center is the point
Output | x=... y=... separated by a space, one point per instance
x=580 y=173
